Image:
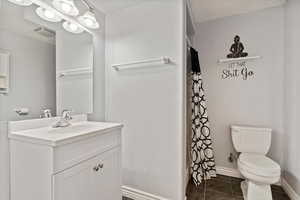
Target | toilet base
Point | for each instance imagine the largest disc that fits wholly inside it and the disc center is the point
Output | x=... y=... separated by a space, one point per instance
x=254 y=191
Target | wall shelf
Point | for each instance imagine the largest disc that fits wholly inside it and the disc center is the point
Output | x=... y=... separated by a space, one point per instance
x=228 y=60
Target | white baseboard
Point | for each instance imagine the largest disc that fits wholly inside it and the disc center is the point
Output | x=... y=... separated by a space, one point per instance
x=139 y=195
x=226 y=171
x=289 y=190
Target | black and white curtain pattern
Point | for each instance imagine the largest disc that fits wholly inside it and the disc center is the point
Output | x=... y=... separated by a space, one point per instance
x=203 y=162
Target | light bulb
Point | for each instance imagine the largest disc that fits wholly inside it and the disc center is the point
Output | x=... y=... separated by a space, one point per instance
x=89 y=20
x=66 y=7
x=49 y=14
x=72 y=27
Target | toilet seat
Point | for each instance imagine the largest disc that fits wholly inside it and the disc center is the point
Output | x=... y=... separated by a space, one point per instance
x=259 y=165
x=259 y=168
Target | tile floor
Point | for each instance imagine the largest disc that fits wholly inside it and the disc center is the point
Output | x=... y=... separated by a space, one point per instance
x=224 y=188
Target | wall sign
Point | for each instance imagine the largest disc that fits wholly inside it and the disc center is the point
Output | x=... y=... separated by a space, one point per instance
x=237 y=68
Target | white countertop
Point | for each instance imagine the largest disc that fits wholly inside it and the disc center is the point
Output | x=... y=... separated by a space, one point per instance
x=58 y=136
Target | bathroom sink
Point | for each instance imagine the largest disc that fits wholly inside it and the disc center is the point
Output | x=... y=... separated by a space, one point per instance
x=42 y=131
x=76 y=128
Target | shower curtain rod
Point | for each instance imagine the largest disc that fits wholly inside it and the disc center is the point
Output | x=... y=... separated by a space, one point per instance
x=188 y=41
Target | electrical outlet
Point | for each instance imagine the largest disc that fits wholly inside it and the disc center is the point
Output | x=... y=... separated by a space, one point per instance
x=231 y=158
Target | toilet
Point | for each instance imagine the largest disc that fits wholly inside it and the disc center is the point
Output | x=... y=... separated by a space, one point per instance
x=260 y=172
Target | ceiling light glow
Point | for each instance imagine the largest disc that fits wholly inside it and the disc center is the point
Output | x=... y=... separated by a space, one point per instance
x=66 y=6
x=71 y=27
x=47 y=15
x=89 y=20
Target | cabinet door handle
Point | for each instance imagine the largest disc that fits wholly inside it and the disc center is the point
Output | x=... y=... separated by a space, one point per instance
x=101 y=166
x=96 y=168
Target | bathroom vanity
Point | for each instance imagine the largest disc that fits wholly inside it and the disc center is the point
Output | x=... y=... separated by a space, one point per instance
x=82 y=161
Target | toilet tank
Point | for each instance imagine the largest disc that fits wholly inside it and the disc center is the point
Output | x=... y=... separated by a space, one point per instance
x=247 y=139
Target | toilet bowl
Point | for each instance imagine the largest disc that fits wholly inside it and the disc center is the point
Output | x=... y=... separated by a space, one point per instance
x=259 y=171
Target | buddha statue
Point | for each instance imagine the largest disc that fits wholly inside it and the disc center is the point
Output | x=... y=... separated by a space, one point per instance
x=237 y=49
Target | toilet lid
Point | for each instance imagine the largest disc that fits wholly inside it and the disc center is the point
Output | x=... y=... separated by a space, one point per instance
x=259 y=164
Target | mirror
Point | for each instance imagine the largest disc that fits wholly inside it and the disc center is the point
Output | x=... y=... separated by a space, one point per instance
x=49 y=66
x=74 y=72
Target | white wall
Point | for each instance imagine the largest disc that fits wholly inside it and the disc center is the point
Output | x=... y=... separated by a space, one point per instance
x=292 y=95
x=148 y=101
x=257 y=101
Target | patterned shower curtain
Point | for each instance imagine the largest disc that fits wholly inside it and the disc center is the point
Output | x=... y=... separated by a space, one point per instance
x=203 y=163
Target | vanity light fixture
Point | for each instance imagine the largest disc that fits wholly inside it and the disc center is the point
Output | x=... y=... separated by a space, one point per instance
x=71 y=27
x=63 y=8
x=89 y=20
x=47 y=15
x=66 y=6
x=21 y=2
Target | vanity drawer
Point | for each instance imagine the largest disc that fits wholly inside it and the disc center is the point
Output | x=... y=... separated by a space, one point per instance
x=69 y=155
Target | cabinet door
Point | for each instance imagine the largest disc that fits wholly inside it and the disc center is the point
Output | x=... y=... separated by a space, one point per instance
x=107 y=181
x=96 y=179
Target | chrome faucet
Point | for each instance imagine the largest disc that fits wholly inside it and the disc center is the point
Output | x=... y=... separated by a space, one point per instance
x=66 y=114
x=64 y=120
x=46 y=113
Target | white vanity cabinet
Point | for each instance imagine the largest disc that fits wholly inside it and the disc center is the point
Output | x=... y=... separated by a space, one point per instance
x=82 y=162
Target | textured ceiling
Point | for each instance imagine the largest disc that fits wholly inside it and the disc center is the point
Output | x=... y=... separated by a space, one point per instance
x=204 y=10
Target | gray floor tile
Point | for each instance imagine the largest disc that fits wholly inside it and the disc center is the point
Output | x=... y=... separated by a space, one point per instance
x=125 y=198
x=224 y=188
